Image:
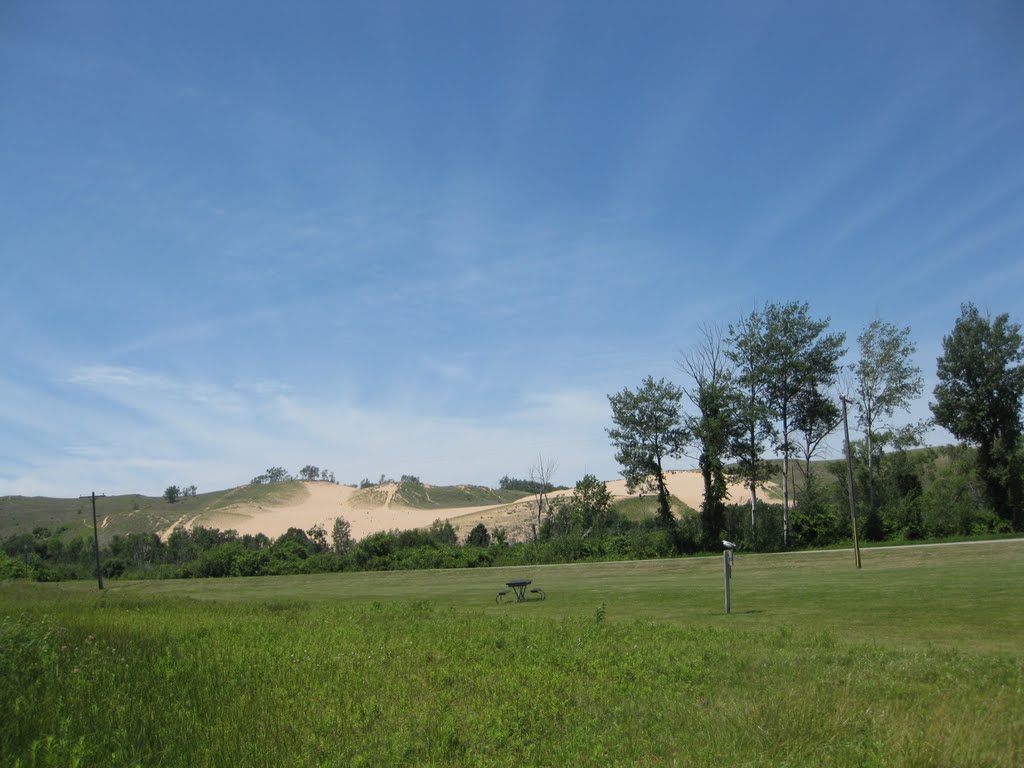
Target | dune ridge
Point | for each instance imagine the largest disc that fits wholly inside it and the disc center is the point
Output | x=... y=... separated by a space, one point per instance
x=322 y=502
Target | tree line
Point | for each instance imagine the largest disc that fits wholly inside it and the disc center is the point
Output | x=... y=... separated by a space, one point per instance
x=309 y=472
x=771 y=385
x=580 y=527
x=280 y=475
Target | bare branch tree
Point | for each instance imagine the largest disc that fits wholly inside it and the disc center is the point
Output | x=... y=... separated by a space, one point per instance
x=540 y=475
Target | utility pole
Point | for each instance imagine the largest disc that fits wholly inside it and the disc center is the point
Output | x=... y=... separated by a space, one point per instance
x=849 y=482
x=96 y=536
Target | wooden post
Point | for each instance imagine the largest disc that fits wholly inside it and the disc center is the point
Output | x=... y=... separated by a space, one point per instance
x=96 y=540
x=727 y=567
x=849 y=483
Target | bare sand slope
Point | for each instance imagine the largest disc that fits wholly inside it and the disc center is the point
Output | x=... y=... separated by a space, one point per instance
x=687 y=486
x=321 y=503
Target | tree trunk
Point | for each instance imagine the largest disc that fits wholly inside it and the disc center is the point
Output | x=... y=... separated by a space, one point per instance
x=713 y=508
x=871 y=467
x=753 y=479
x=663 y=506
x=753 y=508
x=785 y=499
x=793 y=498
x=785 y=481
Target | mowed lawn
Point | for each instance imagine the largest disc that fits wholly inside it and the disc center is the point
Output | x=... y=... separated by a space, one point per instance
x=915 y=660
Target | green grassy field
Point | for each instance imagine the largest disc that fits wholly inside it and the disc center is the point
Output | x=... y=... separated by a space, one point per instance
x=916 y=660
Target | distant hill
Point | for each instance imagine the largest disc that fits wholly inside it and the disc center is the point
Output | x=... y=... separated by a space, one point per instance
x=237 y=507
x=272 y=508
x=131 y=513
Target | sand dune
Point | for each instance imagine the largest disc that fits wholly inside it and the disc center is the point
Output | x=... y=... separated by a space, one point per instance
x=685 y=485
x=321 y=503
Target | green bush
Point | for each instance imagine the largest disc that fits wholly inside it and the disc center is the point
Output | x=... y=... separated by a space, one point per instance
x=114 y=567
x=254 y=563
x=814 y=522
x=44 y=573
x=952 y=501
x=902 y=518
x=479 y=537
x=12 y=568
x=219 y=561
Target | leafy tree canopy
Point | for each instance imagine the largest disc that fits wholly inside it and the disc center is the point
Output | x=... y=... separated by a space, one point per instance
x=648 y=429
x=979 y=397
x=479 y=537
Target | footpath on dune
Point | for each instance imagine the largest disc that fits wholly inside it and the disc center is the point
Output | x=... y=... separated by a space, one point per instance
x=320 y=503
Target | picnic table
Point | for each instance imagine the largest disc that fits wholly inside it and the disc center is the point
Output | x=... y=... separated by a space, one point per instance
x=518 y=588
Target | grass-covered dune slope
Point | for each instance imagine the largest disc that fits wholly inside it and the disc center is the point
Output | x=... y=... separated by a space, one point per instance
x=133 y=513
x=916 y=660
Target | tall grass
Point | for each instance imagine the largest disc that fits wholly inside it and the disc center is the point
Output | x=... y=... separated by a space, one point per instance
x=376 y=673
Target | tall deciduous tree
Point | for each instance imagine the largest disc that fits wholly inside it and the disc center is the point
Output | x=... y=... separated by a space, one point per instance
x=747 y=350
x=443 y=532
x=648 y=429
x=341 y=536
x=979 y=398
x=591 y=502
x=885 y=380
x=716 y=429
x=801 y=356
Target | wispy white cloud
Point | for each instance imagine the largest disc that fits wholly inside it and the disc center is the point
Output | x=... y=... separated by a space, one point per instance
x=446 y=369
x=162 y=430
x=138 y=388
x=266 y=387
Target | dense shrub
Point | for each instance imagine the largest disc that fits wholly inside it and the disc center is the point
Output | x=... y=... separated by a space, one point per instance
x=253 y=563
x=113 y=567
x=528 y=486
x=815 y=521
x=479 y=537
x=12 y=568
x=219 y=561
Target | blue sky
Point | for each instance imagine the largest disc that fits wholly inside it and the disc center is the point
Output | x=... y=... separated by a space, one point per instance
x=430 y=238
